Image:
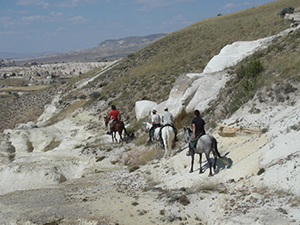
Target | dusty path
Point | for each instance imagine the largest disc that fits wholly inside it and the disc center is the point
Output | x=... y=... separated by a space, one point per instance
x=91 y=200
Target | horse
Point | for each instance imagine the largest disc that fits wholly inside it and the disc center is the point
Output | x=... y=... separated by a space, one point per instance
x=165 y=134
x=205 y=144
x=117 y=127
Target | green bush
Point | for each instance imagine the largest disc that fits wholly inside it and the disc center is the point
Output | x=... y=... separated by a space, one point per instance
x=251 y=70
x=95 y=94
x=289 y=9
x=83 y=96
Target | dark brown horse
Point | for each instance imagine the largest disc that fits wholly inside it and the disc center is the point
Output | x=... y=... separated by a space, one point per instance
x=117 y=127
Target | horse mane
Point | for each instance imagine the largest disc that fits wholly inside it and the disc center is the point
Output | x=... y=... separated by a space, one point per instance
x=189 y=129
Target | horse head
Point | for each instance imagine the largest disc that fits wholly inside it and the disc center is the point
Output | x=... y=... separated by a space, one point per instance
x=106 y=120
x=147 y=126
x=187 y=134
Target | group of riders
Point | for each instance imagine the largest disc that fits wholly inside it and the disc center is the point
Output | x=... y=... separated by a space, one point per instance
x=166 y=119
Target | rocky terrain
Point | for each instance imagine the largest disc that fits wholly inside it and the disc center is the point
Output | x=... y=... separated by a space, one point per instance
x=67 y=170
x=25 y=106
x=35 y=72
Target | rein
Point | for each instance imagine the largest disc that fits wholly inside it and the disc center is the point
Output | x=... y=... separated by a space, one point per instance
x=180 y=150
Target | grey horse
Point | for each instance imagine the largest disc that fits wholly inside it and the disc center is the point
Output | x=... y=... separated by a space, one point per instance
x=205 y=144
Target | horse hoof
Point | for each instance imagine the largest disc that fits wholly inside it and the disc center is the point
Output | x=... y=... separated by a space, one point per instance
x=191 y=171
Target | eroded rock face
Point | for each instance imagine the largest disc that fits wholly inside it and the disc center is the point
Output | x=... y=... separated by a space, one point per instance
x=7 y=150
x=36 y=157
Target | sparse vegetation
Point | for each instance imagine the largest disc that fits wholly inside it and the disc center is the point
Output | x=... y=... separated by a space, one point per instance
x=95 y=94
x=100 y=159
x=264 y=130
x=134 y=168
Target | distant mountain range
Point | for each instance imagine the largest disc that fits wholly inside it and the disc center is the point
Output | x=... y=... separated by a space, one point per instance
x=105 y=51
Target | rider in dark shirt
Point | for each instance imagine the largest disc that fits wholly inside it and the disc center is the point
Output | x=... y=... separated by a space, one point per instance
x=198 y=128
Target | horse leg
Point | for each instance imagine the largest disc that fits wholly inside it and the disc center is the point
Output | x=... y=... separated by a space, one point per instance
x=116 y=136
x=112 y=135
x=120 y=134
x=215 y=162
x=209 y=162
x=192 y=162
x=200 y=162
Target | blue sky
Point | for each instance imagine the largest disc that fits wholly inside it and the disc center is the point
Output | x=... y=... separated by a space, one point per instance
x=35 y=26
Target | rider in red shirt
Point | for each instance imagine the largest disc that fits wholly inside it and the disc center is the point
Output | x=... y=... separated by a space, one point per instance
x=114 y=115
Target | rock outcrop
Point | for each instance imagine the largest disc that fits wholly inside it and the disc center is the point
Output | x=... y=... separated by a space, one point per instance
x=190 y=91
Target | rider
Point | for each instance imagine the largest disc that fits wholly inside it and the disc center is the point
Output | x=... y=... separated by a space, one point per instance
x=155 y=120
x=114 y=115
x=168 y=119
x=198 y=129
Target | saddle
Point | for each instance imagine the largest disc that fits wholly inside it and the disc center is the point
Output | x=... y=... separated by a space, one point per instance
x=193 y=143
x=153 y=129
x=113 y=123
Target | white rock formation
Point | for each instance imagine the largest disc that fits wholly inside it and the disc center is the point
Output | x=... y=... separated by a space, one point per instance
x=190 y=91
x=46 y=155
x=143 y=108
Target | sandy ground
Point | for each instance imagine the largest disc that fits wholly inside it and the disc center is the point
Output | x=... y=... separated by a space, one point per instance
x=161 y=192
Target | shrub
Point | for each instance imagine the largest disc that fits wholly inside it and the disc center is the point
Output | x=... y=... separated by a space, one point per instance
x=252 y=70
x=83 y=96
x=289 y=9
x=95 y=94
x=134 y=168
x=100 y=158
x=260 y=171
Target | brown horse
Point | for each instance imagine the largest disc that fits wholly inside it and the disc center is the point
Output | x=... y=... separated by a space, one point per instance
x=117 y=127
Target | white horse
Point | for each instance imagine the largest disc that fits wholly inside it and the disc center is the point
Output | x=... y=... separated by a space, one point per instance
x=166 y=134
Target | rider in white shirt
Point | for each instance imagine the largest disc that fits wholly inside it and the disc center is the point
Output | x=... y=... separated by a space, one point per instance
x=156 y=122
x=168 y=119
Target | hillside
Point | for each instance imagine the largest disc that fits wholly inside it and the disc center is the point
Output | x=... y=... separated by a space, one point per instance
x=63 y=168
x=149 y=73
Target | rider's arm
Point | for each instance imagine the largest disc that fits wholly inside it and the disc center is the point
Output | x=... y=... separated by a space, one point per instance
x=194 y=130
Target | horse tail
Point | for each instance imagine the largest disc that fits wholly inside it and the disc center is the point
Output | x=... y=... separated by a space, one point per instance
x=126 y=131
x=123 y=126
x=167 y=141
x=215 y=147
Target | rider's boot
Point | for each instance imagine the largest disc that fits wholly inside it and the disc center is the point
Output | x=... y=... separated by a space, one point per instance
x=189 y=152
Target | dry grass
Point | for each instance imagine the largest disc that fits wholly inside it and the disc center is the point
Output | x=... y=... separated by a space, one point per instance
x=25 y=89
x=14 y=82
x=67 y=111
